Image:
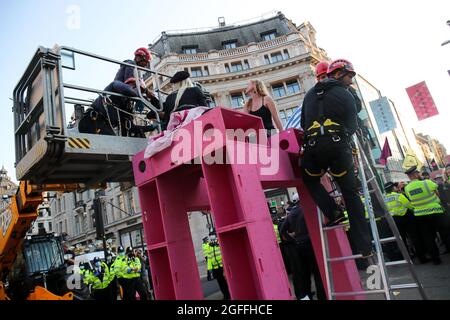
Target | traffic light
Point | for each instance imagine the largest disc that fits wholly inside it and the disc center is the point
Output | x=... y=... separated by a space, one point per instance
x=98 y=219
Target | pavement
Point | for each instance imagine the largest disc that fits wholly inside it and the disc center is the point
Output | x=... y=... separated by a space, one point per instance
x=435 y=280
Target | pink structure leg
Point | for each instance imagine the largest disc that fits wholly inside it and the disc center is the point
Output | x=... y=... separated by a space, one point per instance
x=234 y=193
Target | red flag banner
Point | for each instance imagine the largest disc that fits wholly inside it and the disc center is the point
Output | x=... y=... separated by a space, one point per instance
x=386 y=153
x=422 y=101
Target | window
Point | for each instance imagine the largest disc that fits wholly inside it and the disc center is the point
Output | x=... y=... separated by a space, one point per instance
x=276 y=57
x=60 y=227
x=131 y=207
x=50 y=226
x=77 y=225
x=246 y=65
x=236 y=66
x=282 y=116
x=285 y=54
x=227 y=67
x=237 y=100
x=196 y=72
x=205 y=71
x=292 y=87
x=40 y=225
x=278 y=91
x=266 y=59
x=269 y=35
x=121 y=202
x=190 y=49
x=229 y=44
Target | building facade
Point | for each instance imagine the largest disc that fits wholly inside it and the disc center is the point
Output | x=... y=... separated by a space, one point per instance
x=433 y=150
x=223 y=60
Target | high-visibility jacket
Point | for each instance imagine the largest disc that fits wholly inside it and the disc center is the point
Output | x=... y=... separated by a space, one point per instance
x=119 y=266
x=205 y=249
x=123 y=267
x=214 y=257
x=98 y=281
x=277 y=232
x=423 y=197
x=397 y=204
x=133 y=268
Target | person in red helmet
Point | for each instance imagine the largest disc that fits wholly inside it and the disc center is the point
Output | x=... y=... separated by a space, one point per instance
x=329 y=118
x=322 y=70
x=142 y=57
x=114 y=112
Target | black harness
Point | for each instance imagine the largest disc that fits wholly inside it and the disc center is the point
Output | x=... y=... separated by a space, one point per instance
x=324 y=127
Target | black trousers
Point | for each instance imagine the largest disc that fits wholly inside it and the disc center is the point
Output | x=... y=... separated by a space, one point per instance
x=408 y=228
x=444 y=229
x=140 y=288
x=102 y=294
x=285 y=255
x=113 y=289
x=303 y=266
x=428 y=227
x=223 y=285
x=336 y=156
x=128 y=288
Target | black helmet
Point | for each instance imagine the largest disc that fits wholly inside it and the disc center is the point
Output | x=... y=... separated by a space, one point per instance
x=129 y=250
x=96 y=259
x=120 y=249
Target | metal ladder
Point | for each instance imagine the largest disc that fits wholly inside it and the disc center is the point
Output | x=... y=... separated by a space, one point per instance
x=387 y=288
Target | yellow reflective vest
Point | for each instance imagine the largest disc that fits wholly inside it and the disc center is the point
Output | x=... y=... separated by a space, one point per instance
x=214 y=257
x=277 y=232
x=397 y=204
x=423 y=198
x=97 y=281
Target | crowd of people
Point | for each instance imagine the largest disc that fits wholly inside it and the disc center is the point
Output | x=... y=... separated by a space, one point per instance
x=126 y=276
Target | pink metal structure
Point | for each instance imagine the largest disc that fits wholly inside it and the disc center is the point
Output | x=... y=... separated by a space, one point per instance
x=169 y=188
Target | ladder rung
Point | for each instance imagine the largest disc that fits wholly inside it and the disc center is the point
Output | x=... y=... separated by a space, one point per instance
x=396 y=263
x=386 y=240
x=334 y=227
x=356 y=293
x=357 y=256
x=404 y=286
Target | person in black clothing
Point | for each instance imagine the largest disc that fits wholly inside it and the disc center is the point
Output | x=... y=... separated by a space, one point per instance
x=113 y=111
x=444 y=196
x=187 y=96
x=301 y=255
x=262 y=105
x=329 y=118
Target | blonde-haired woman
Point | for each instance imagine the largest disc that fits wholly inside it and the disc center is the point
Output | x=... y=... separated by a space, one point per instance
x=187 y=96
x=262 y=105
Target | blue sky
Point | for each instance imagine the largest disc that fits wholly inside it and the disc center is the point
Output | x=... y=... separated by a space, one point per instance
x=394 y=44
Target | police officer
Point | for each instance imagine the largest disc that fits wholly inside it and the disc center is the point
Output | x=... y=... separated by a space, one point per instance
x=205 y=250
x=329 y=118
x=216 y=266
x=125 y=268
x=113 y=284
x=427 y=208
x=100 y=278
x=302 y=259
x=402 y=212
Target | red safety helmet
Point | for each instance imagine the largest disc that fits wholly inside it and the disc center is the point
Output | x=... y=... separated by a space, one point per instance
x=144 y=53
x=339 y=64
x=321 y=68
